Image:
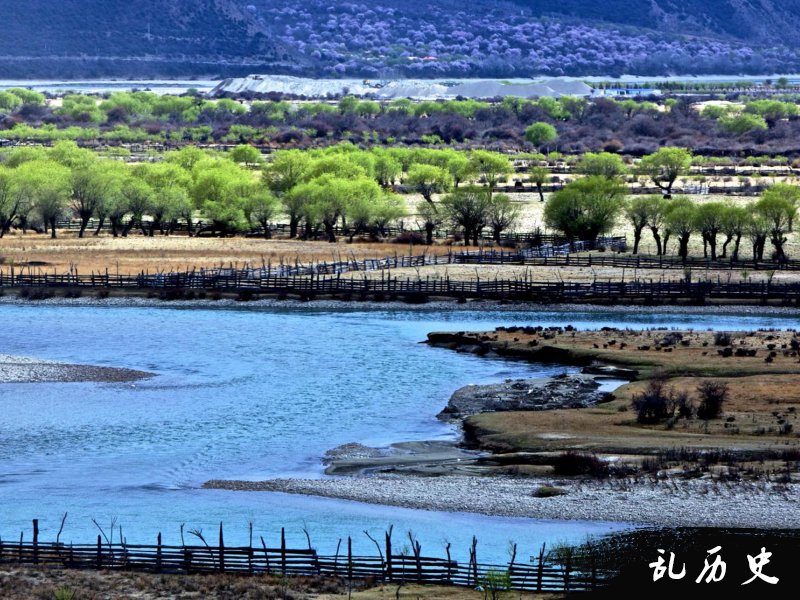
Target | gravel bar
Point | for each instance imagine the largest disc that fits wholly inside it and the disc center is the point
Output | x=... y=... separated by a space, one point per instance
x=359 y=306
x=674 y=503
x=18 y=369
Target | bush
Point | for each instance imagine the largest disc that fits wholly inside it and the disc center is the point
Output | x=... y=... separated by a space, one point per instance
x=410 y=237
x=722 y=338
x=494 y=583
x=713 y=395
x=651 y=405
x=548 y=491
x=577 y=463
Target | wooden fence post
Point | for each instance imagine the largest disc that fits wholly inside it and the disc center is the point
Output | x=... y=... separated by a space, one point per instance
x=540 y=569
x=349 y=559
x=221 y=549
x=283 y=551
x=389 y=555
x=99 y=551
x=36 y=541
x=158 y=552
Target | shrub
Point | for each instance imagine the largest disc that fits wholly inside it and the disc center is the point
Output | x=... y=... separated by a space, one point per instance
x=722 y=338
x=494 y=583
x=712 y=396
x=651 y=405
x=577 y=463
x=548 y=491
x=683 y=404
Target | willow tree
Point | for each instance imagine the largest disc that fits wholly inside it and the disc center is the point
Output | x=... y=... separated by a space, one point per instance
x=585 y=208
x=681 y=219
x=468 y=208
x=47 y=185
x=664 y=166
x=428 y=180
x=778 y=206
x=606 y=164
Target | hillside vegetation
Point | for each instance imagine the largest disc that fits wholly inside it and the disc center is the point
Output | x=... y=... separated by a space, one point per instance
x=396 y=39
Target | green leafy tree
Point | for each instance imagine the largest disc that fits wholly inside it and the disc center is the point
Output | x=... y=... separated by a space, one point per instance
x=540 y=133
x=778 y=206
x=605 y=164
x=734 y=225
x=539 y=176
x=490 y=167
x=502 y=215
x=388 y=208
x=21 y=155
x=246 y=154
x=387 y=169
x=585 y=208
x=137 y=198
x=461 y=169
x=428 y=180
x=81 y=108
x=757 y=230
x=468 y=208
x=261 y=208
x=91 y=184
x=9 y=102
x=430 y=218
x=664 y=166
x=637 y=213
x=710 y=220
x=771 y=110
x=743 y=123
x=47 y=184
x=10 y=199
x=681 y=219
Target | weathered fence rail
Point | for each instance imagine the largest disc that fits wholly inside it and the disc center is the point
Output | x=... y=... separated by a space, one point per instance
x=658 y=262
x=541 y=574
x=387 y=287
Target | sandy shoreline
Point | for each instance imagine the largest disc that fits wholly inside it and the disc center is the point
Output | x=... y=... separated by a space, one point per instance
x=19 y=369
x=673 y=503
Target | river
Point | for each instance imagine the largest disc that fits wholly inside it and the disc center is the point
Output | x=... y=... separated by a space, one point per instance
x=252 y=393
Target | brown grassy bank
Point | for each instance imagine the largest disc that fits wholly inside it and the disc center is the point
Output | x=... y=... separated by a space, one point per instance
x=29 y=583
x=757 y=428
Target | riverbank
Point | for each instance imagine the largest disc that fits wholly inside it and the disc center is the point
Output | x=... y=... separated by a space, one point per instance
x=670 y=502
x=19 y=369
x=145 y=299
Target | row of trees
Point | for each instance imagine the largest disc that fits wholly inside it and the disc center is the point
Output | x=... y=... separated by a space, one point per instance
x=308 y=184
x=568 y=124
x=322 y=190
x=592 y=205
x=38 y=187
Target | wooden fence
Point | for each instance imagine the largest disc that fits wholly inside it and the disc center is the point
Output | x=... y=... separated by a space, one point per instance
x=542 y=573
x=415 y=290
x=643 y=261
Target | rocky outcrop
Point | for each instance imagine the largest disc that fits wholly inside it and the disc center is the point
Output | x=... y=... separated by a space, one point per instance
x=547 y=393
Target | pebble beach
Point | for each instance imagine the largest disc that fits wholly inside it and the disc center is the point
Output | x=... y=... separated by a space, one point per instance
x=672 y=503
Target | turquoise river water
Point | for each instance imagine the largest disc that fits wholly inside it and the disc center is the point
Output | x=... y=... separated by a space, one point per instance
x=252 y=393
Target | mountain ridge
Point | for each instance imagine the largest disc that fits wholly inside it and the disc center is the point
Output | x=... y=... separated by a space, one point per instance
x=394 y=38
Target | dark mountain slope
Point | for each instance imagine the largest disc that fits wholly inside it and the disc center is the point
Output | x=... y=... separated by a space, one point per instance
x=397 y=38
x=754 y=21
x=150 y=36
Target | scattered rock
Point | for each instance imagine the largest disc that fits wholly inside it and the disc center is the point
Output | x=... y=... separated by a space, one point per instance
x=547 y=393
